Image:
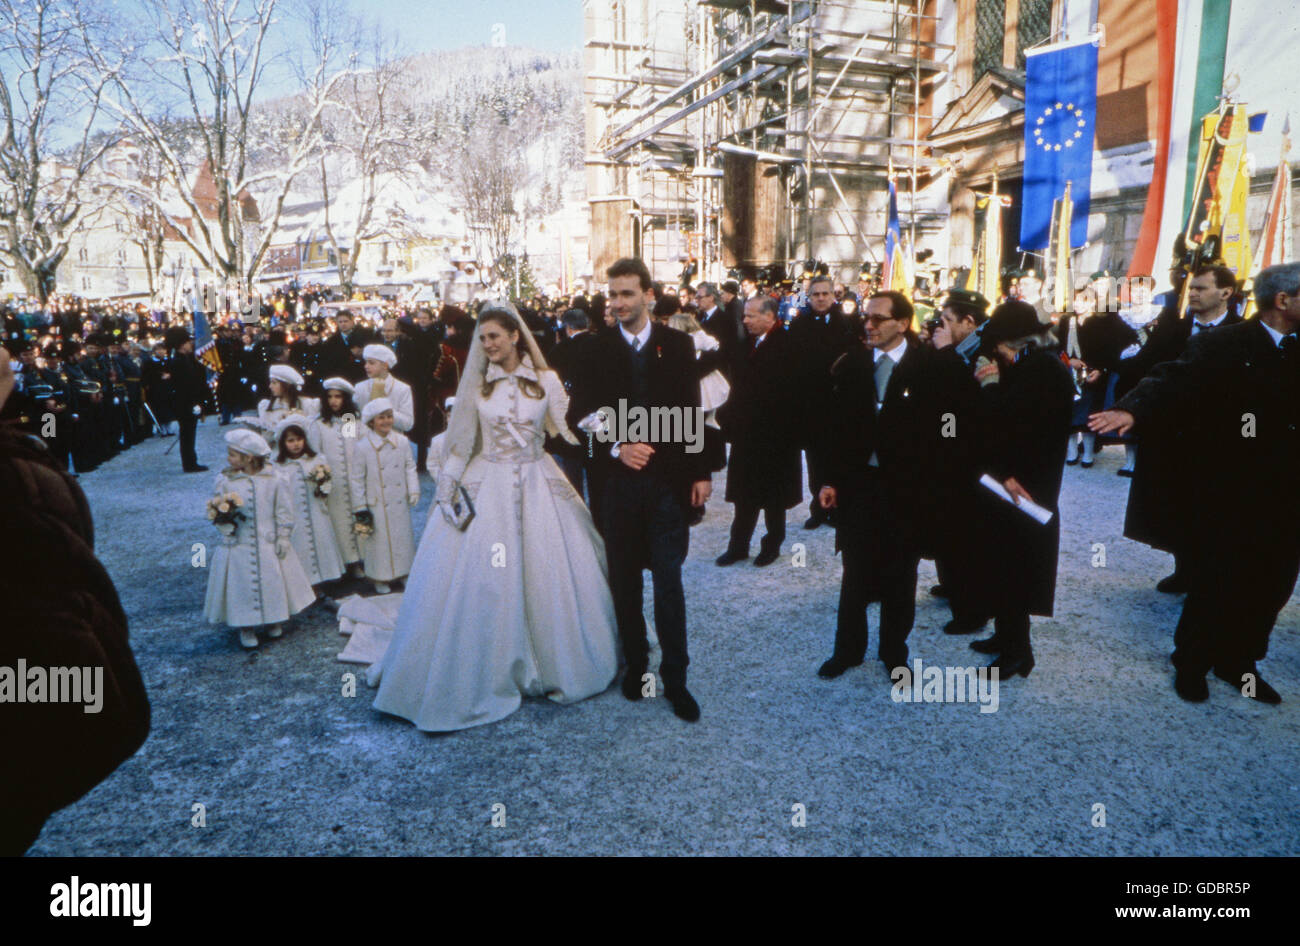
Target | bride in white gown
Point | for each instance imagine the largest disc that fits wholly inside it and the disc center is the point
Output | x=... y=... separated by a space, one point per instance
x=517 y=604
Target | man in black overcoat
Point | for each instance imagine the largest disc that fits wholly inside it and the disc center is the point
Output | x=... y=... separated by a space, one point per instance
x=190 y=394
x=758 y=420
x=899 y=419
x=1163 y=482
x=423 y=338
x=819 y=334
x=720 y=322
x=650 y=487
x=231 y=393
x=1240 y=386
x=337 y=357
x=734 y=306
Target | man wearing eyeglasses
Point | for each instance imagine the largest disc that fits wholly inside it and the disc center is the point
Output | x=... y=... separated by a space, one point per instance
x=901 y=421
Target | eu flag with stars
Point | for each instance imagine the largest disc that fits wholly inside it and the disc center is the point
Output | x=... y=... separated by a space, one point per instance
x=1060 y=121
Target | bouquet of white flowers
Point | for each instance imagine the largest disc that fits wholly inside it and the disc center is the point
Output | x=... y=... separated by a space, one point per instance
x=226 y=512
x=320 y=477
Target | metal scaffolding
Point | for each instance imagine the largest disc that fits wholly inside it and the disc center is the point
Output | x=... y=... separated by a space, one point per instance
x=822 y=98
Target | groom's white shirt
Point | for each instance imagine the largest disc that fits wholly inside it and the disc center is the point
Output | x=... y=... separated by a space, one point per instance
x=642 y=336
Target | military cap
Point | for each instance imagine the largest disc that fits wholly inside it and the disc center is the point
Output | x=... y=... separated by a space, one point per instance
x=966 y=297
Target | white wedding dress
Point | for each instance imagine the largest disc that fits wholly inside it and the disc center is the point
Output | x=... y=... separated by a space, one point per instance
x=516 y=605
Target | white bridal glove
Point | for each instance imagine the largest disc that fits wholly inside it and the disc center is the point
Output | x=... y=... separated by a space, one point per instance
x=282 y=547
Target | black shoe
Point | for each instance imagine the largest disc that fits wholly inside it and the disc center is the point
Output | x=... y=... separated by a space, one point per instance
x=1123 y=472
x=195 y=469
x=1086 y=464
x=1072 y=462
x=938 y=591
x=1191 y=686
x=989 y=645
x=1009 y=667
x=632 y=684
x=890 y=666
x=767 y=557
x=1174 y=584
x=836 y=666
x=730 y=558
x=963 y=627
x=683 y=704
x=1263 y=692
x=813 y=522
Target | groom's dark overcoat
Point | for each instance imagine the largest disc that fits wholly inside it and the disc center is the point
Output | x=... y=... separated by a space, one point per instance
x=645 y=512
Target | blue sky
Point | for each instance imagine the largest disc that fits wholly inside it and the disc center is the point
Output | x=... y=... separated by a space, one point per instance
x=553 y=25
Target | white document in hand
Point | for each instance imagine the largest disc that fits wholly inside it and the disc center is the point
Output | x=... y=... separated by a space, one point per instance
x=1044 y=516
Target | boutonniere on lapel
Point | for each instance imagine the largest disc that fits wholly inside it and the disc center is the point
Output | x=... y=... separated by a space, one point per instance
x=659 y=351
x=907 y=392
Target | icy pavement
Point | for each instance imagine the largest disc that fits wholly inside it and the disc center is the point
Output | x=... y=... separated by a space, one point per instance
x=782 y=762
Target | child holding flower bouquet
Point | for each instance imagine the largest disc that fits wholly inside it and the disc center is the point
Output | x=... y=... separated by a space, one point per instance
x=384 y=487
x=333 y=434
x=310 y=482
x=254 y=578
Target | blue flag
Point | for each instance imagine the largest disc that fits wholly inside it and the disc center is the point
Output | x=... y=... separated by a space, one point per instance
x=894 y=273
x=205 y=345
x=1060 y=121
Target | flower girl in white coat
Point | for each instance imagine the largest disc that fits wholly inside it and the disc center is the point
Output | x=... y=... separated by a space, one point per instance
x=286 y=398
x=310 y=481
x=333 y=434
x=254 y=577
x=384 y=488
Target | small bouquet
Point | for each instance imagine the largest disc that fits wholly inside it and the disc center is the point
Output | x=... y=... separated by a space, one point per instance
x=320 y=477
x=363 y=522
x=595 y=424
x=226 y=512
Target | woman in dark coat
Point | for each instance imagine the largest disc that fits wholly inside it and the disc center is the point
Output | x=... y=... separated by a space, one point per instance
x=1093 y=342
x=1027 y=406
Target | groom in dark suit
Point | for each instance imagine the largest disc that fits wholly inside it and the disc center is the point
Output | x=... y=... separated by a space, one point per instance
x=650 y=486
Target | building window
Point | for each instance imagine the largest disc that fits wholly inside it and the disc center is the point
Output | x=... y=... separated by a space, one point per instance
x=85 y=283
x=990 y=32
x=1034 y=27
x=82 y=255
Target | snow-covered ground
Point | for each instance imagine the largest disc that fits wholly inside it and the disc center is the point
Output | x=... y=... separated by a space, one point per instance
x=285 y=764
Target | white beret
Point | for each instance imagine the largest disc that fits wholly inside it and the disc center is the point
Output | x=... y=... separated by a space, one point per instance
x=374 y=408
x=339 y=384
x=287 y=375
x=380 y=353
x=293 y=420
x=246 y=441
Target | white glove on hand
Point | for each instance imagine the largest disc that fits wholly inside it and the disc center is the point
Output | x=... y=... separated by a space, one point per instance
x=446 y=491
x=413 y=499
x=282 y=547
